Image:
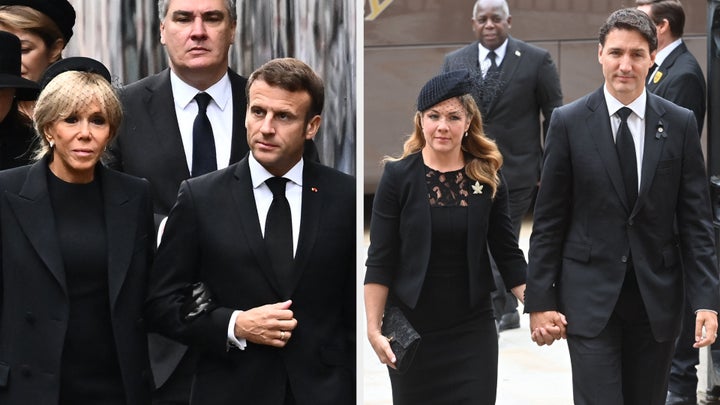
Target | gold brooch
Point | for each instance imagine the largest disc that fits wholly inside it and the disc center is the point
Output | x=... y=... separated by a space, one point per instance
x=657 y=77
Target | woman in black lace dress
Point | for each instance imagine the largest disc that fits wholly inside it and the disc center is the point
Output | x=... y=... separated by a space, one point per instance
x=437 y=210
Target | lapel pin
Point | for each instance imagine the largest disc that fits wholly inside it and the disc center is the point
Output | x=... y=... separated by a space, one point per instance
x=313 y=189
x=517 y=53
x=657 y=77
x=477 y=188
x=660 y=131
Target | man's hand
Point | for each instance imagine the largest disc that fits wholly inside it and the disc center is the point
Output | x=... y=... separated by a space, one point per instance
x=270 y=324
x=547 y=327
x=709 y=321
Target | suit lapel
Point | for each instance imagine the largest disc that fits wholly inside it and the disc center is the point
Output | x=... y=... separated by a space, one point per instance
x=159 y=103
x=652 y=149
x=312 y=204
x=120 y=209
x=242 y=194
x=598 y=124
x=34 y=213
x=239 y=145
x=666 y=65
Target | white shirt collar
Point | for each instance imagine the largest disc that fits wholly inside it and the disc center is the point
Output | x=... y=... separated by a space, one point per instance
x=662 y=54
x=499 y=52
x=183 y=93
x=637 y=106
x=258 y=174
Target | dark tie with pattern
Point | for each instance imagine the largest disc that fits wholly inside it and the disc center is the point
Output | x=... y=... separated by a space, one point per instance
x=278 y=232
x=203 y=159
x=626 y=153
x=493 y=69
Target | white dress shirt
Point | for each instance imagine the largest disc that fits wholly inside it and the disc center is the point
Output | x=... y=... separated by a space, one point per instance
x=219 y=112
x=483 y=59
x=263 y=199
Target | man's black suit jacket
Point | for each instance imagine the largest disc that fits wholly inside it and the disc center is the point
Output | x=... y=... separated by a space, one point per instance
x=680 y=79
x=33 y=292
x=213 y=235
x=149 y=144
x=584 y=231
x=529 y=84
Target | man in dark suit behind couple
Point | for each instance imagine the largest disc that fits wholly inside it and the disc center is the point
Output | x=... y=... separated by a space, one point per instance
x=621 y=232
x=281 y=333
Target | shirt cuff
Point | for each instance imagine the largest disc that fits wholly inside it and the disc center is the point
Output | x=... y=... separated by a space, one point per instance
x=708 y=310
x=231 y=339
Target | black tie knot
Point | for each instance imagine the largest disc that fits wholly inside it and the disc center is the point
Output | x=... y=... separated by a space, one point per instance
x=277 y=186
x=202 y=100
x=491 y=56
x=624 y=113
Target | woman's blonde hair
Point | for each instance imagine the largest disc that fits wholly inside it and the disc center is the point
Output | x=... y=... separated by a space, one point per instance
x=482 y=157
x=69 y=93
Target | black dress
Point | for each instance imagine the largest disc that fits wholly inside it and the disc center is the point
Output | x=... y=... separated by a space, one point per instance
x=456 y=362
x=90 y=369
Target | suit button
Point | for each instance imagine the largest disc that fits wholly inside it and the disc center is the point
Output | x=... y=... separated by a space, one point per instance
x=631 y=222
x=624 y=259
x=30 y=318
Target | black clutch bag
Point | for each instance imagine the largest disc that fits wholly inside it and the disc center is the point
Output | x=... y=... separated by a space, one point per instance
x=404 y=339
x=198 y=300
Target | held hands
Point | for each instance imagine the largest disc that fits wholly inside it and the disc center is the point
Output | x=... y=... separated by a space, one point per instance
x=382 y=348
x=709 y=321
x=547 y=327
x=270 y=324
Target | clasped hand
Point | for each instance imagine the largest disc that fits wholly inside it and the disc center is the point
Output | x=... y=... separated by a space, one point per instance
x=547 y=327
x=270 y=324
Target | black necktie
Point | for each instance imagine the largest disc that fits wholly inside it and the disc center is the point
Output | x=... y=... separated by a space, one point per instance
x=203 y=159
x=650 y=72
x=626 y=153
x=493 y=69
x=278 y=231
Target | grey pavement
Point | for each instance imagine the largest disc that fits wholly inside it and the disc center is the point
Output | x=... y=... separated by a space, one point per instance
x=527 y=373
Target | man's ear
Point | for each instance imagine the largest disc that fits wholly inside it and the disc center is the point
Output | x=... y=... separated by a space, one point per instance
x=312 y=127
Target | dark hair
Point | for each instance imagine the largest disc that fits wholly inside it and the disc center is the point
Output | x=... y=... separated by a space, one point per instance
x=670 y=10
x=292 y=75
x=630 y=19
x=163 y=6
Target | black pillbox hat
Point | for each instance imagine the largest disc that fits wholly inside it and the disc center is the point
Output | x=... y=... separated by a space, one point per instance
x=75 y=63
x=444 y=86
x=60 y=11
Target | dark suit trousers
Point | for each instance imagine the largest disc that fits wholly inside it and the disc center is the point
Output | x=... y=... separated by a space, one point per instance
x=520 y=200
x=624 y=364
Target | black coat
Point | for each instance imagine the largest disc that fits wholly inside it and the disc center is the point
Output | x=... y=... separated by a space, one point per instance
x=33 y=293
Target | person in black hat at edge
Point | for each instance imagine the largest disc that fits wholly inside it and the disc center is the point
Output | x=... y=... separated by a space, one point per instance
x=44 y=28
x=16 y=131
x=436 y=209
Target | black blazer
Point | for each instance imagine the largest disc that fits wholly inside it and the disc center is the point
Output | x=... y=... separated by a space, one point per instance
x=213 y=234
x=529 y=85
x=584 y=228
x=33 y=294
x=400 y=234
x=680 y=79
x=149 y=145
